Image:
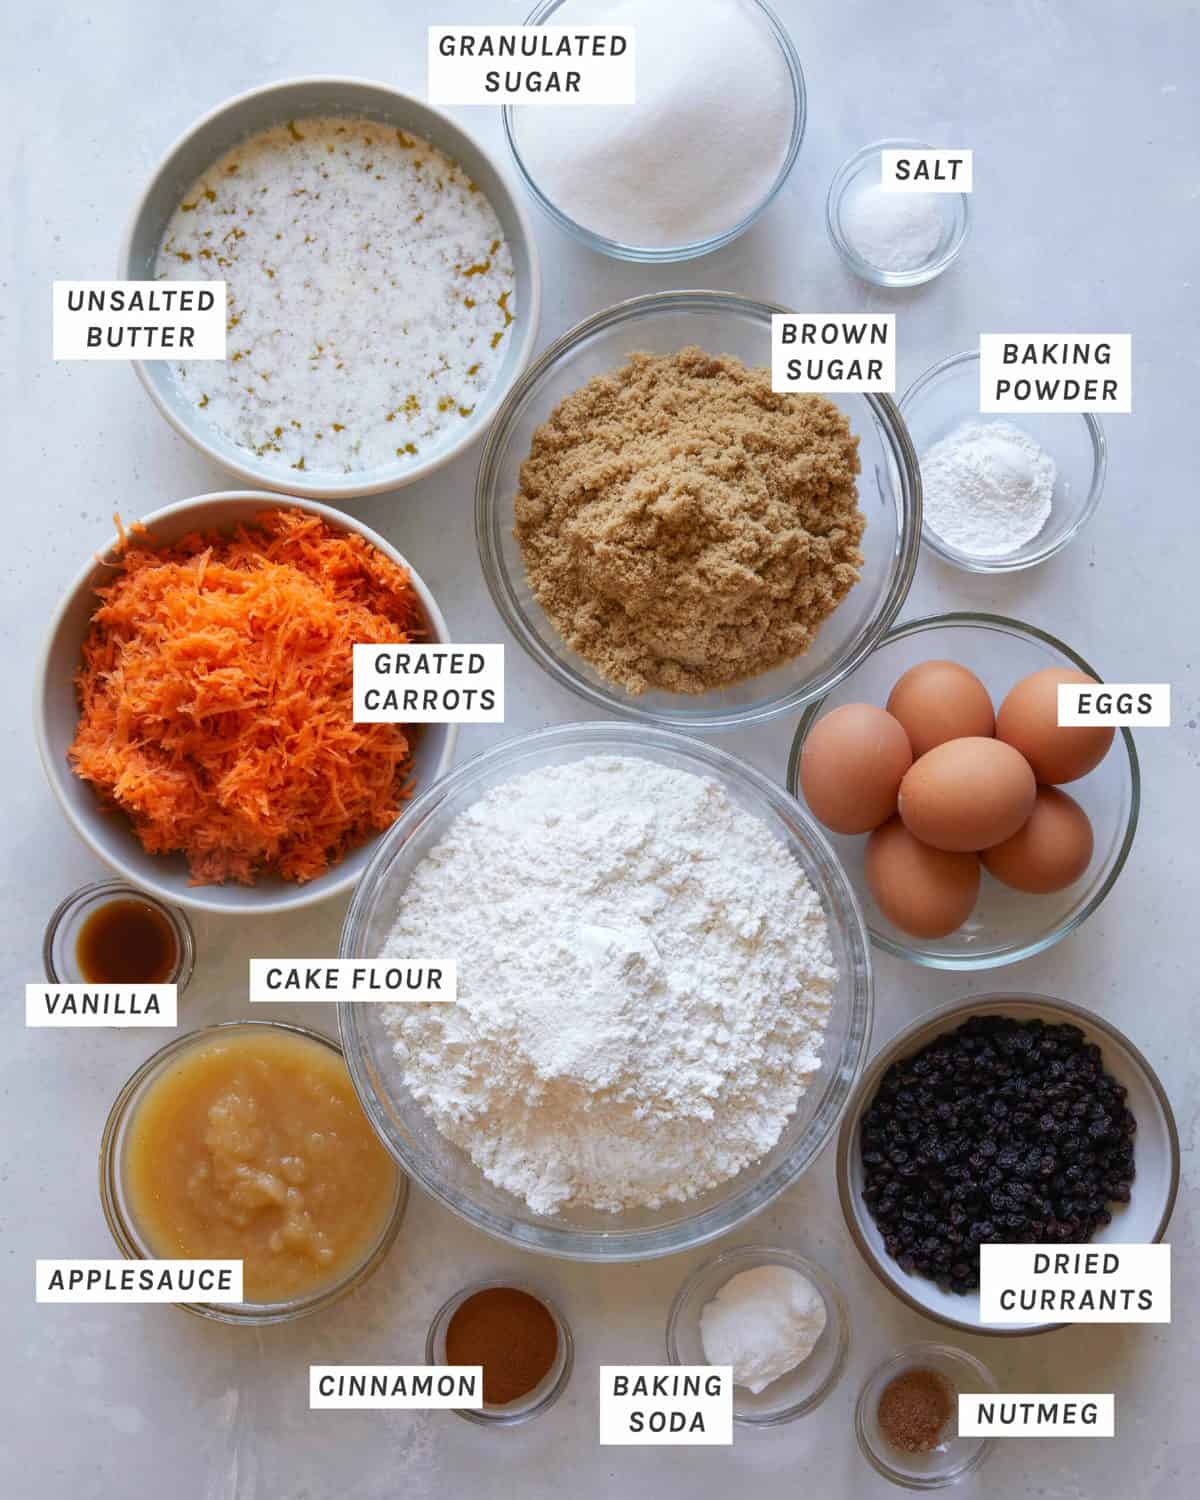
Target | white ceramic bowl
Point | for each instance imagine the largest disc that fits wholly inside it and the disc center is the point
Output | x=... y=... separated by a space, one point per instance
x=56 y=714
x=295 y=99
x=1143 y=1220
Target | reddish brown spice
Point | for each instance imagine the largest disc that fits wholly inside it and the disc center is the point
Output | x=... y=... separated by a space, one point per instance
x=511 y=1334
x=914 y=1409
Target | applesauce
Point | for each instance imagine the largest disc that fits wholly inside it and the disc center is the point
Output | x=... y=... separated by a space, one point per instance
x=251 y=1144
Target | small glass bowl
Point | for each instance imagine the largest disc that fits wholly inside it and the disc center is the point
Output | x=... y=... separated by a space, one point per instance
x=946 y=395
x=1006 y=925
x=62 y=931
x=955 y=1457
x=799 y=1391
x=861 y=171
x=122 y=1221
x=542 y=13
x=543 y=1396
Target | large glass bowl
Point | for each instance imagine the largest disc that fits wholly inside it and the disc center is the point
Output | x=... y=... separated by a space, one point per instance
x=1006 y=925
x=889 y=495
x=445 y=1170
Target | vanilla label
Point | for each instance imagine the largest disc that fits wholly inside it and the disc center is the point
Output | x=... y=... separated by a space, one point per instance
x=394 y=1387
x=139 y=1281
x=1080 y=1284
x=101 y=1004
x=1137 y=705
x=531 y=65
x=1055 y=372
x=650 y=1405
x=357 y=979
x=926 y=171
x=139 y=319
x=1036 y=1416
x=429 y=684
x=832 y=353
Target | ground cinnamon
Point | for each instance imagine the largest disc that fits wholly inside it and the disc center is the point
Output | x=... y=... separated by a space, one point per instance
x=511 y=1334
x=914 y=1409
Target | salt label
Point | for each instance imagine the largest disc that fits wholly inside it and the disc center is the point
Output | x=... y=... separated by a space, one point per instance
x=139 y=1281
x=1138 y=705
x=394 y=1387
x=353 y=979
x=139 y=319
x=1080 y=1284
x=667 y=1405
x=1036 y=1416
x=926 y=171
x=101 y=1004
x=428 y=684
x=531 y=65
x=832 y=353
x=1055 y=372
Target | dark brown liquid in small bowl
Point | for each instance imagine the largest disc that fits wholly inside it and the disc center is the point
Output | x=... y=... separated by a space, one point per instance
x=126 y=941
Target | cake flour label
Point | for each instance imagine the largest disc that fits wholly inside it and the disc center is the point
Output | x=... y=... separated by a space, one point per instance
x=670 y=1405
x=833 y=353
x=139 y=319
x=394 y=1387
x=926 y=171
x=531 y=65
x=1036 y=1416
x=101 y=1004
x=352 y=979
x=1079 y=1284
x=1055 y=372
x=1137 y=705
x=428 y=684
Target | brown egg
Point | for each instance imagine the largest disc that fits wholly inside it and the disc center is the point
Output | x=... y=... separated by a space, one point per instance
x=938 y=701
x=967 y=794
x=1052 y=850
x=852 y=765
x=1028 y=720
x=925 y=892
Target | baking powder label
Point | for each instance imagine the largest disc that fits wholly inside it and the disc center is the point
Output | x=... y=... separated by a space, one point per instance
x=139 y=1281
x=101 y=1004
x=394 y=1387
x=1077 y=1284
x=1055 y=372
x=357 y=979
x=531 y=65
x=139 y=320
x=926 y=171
x=832 y=353
x=1137 y=705
x=673 y=1405
x=1036 y=1416
x=428 y=684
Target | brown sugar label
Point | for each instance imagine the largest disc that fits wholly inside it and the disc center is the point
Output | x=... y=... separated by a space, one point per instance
x=833 y=353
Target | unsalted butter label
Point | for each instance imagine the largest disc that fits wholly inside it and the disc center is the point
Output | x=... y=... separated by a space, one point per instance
x=847 y=353
x=1137 y=705
x=101 y=1004
x=139 y=1281
x=428 y=684
x=1104 y=1283
x=386 y=1387
x=1055 y=372
x=139 y=319
x=643 y=1405
x=926 y=171
x=357 y=979
x=531 y=65
x=1036 y=1416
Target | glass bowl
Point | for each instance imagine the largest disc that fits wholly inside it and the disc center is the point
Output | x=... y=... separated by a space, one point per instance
x=889 y=495
x=1006 y=925
x=799 y=1391
x=445 y=1170
x=543 y=13
x=947 y=394
x=861 y=171
x=544 y=1394
x=64 y=927
x=122 y=1221
x=955 y=1457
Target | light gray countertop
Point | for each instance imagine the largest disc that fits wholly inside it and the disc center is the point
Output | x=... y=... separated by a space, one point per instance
x=1083 y=120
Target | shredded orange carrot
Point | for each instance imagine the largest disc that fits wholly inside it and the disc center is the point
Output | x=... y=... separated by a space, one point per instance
x=216 y=696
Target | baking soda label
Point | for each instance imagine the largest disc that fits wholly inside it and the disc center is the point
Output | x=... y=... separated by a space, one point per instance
x=428 y=684
x=139 y=319
x=1055 y=372
x=1078 y=1284
x=101 y=1004
x=833 y=353
x=666 y=1405
x=139 y=1281
x=1036 y=1416
x=926 y=171
x=530 y=65
x=394 y=1387
x=353 y=979
x=1134 y=705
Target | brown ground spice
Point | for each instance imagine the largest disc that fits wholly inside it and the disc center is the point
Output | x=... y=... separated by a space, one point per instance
x=684 y=526
x=914 y=1409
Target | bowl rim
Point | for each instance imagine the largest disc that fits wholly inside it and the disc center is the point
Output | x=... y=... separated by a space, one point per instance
x=665 y=254
x=863 y=269
x=339 y=881
x=351 y=488
x=617 y=1245
x=967 y=963
x=926 y=1027
x=100 y=893
x=1009 y=563
x=905 y=552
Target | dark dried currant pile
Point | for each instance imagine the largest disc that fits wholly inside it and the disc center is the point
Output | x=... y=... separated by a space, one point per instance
x=1000 y=1131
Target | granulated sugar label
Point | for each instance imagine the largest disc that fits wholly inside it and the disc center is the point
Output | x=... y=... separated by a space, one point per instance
x=832 y=353
x=531 y=65
x=428 y=684
x=139 y=319
x=1023 y=1415
x=1077 y=1284
x=1138 y=705
x=394 y=1387
x=670 y=1405
x=353 y=979
x=923 y=170
x=1055 y=372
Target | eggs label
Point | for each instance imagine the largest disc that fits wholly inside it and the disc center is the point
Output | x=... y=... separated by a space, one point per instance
x=530 y=65
x=1055 y=372
x=1036 y=1416
x=1103 y=1283
x=392 y=1387
x=926 y=171
x=652 y=1405
x=1139 y=705
x=353 y=979
x=833 y=353
x=139 y=319
x=428 y=684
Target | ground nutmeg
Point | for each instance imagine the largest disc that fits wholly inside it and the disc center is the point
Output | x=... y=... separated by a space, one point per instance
x=511 y=1334
x=914 y=1409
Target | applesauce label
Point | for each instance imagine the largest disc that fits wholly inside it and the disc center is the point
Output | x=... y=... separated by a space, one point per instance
x=358 y=979
x=394 y=1387
x=101 y=1004
x=139 y=1281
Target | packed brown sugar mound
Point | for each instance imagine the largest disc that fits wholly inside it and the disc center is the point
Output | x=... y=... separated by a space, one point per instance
x=684 y=526
x=216 y=706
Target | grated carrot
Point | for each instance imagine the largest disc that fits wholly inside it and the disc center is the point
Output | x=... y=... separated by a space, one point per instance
x=216 y=706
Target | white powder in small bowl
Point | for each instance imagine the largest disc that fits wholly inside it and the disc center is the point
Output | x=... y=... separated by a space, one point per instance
x=893 y=231
x=764 y=1322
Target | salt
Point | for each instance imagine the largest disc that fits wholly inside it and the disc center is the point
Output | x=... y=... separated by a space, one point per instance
x=893 y=231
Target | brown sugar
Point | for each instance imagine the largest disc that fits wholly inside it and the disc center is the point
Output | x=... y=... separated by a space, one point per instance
x=914 y=1409
x=684 y=526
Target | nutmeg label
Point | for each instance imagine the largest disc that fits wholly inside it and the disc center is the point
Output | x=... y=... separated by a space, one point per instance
x=1037 y=1416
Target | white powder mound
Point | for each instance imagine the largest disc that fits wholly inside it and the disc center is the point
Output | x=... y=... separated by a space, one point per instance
x=988 y=488
x=893 y=231
x=763 y=1322
x=644 y=977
